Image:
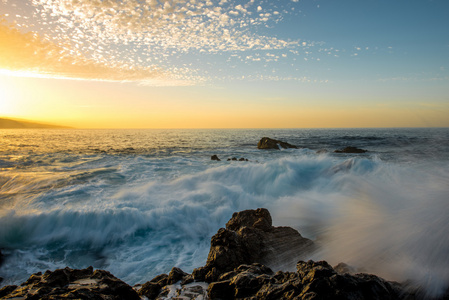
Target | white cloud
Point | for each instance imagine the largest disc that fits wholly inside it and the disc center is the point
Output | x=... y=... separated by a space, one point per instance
x=126 y=37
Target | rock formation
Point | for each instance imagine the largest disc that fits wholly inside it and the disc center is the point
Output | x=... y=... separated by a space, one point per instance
x=236 y=268
x=268 y=143
x=351 y=150
x=249 y=237
x=71 y=284
x=215 y=157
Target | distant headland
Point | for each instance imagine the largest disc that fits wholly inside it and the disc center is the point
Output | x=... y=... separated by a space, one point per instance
x=23 y=124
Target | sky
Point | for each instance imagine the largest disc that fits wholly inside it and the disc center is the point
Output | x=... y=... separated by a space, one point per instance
x=225 y=63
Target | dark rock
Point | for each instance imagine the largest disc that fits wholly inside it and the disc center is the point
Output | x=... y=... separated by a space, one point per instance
x=221 y=290
x=343 y=268
x=175 y=275
x=351 y=150
x=268 y=143
x=215 y=157
x=192 y=292
x=187 y=279
x=235 y=269
x=6 y=290
x=72 y=284
x=150 y=290
x=322 y=281
x=160 y=279
x=249 y=238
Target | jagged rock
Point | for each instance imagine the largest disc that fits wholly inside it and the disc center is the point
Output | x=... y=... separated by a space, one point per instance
x=233 y=269
x=72 y=284
x=150 y=290
x=215 y=157
x=343 y=268
x=175 y=275
x=268 y=143
x=351 y=150
x=6 y=290
x=249 y=237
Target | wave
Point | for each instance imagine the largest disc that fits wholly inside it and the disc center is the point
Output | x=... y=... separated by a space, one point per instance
x=381 y=217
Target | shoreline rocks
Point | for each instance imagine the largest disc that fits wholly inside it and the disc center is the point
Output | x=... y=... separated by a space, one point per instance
x=249 y=237
x=238 y=267
x=71 y=284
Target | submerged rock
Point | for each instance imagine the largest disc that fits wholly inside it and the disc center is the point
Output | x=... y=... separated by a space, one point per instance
x=268 y=143
x=351 y=150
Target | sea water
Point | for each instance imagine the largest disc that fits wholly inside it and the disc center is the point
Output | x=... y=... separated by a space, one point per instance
x=139 y=202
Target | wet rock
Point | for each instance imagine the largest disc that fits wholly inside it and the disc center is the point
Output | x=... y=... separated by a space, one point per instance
x=235 y=269
x=343 y=268
x=6 y=290
x=215 y=157
x=194 y=291
x=351 y=150
x=249 y=237
x=268 y=143
x=239 y=159
x=175 y=275
x=72 y=284
x=150 y=290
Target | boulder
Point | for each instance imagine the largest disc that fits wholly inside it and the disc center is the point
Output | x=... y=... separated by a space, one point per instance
x=249 y=237
x=268 y=143
x=71 y=284
x=351 y=150
x=215 y=157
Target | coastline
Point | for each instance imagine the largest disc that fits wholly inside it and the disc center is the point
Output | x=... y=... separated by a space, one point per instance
x=233 y=270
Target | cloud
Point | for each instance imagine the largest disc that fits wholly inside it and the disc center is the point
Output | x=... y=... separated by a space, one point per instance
x=29 y=54
x=148 y=41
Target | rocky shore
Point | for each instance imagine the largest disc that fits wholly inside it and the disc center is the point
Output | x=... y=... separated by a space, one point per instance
x=237 y=267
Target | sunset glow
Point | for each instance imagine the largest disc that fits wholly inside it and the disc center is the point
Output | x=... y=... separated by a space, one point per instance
x=225 y=63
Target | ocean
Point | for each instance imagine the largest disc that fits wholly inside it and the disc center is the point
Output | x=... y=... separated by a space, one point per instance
x=139 y=202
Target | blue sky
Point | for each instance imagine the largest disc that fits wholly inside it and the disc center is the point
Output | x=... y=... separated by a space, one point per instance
x=299 y=55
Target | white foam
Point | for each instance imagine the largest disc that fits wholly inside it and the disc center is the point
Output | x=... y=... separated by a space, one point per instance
x=388 y=219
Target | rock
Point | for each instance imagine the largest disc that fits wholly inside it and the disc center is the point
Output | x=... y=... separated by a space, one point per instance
x=192 y=291
x=249 y=237
x=268 y=143
x=322 y=281
x=150 y=290
x=343 y=268
x=6 y=290
x=72 y=284
x=215 y=157
x=235 y=159
x=351 y=150
x=235 y=269
x=175 y=275
x=221 y=290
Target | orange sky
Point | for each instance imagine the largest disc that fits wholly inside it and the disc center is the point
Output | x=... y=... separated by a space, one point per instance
x=200 y=65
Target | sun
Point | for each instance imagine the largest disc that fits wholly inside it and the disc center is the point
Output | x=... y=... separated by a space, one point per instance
x=8 y=103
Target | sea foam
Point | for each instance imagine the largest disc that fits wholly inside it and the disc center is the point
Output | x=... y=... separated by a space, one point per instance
x=139 y=216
